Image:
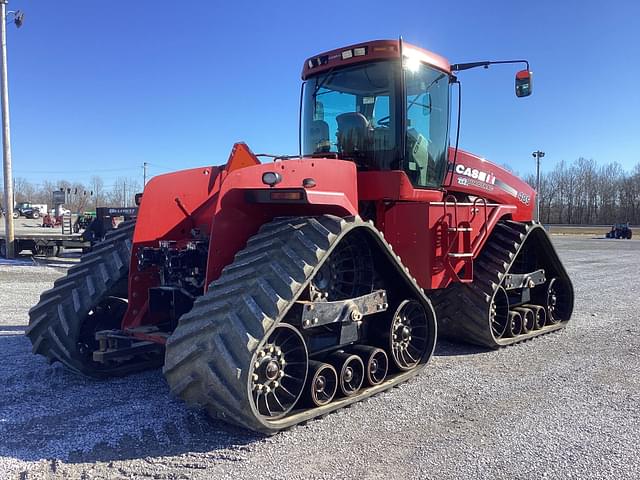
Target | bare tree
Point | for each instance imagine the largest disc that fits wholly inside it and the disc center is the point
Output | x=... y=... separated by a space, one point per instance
x=98 y=191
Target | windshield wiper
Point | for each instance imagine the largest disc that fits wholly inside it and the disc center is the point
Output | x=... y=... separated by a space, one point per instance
x=413 y=102
x=324 y=80
x=276 y=157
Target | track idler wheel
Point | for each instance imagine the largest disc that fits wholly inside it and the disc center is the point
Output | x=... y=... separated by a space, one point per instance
x=279 y=372
x=322 y=384
x=350 y=372
x=558 y=301
x=376 y=363
x=540 y=316
x=408 y=335
x=514 y=327
x=528 y=319
x=499 y=313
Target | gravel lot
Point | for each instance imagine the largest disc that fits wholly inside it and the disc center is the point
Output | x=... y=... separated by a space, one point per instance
x=562 y=406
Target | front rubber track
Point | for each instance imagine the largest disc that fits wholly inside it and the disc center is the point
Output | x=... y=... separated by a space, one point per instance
x=56 y=321
x=463 y=309
x=208 y=357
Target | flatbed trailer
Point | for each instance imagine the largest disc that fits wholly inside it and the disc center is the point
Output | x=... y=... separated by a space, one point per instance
x=49 y=242
x=45 y=244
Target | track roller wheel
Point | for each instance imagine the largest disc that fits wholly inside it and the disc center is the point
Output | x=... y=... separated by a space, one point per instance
x=499 y=313
x=540 y=315
x=351 y=372
x=376 y=363
x=322 y=384
x=528 y=319
x=558 y=301
x=408 y=335
x=515 y=324
x=279 y=372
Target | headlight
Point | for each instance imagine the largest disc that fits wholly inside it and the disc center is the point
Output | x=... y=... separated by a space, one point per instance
x=271 y=178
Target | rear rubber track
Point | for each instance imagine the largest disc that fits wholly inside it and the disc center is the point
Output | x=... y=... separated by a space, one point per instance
x=208 y=357
x=463 y=309
x=56 y=321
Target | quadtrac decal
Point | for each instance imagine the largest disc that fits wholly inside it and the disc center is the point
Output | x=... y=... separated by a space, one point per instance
x=472 y=177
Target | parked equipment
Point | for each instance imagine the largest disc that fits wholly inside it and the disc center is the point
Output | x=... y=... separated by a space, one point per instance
x=105 y=220
x=276 y=292
x=82 y=222
x=25 y=209
x=620 y=230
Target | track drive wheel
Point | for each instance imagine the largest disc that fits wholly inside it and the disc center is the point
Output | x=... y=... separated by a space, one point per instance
x=347 y=273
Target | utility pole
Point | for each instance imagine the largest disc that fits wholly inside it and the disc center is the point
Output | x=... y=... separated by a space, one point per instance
x=124 y=193
x=537 y=155
x=6 y=137
x=144 y=175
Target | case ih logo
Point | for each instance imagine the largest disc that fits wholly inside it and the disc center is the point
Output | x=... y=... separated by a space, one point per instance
x=475 y=174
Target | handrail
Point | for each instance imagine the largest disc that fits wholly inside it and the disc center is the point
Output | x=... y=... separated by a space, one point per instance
x=451 y=242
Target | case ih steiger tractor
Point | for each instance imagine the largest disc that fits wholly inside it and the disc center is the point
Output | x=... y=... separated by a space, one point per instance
x=276 y=292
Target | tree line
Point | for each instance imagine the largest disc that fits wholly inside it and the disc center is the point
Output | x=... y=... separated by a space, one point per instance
x=81 y=196
x=583 y=192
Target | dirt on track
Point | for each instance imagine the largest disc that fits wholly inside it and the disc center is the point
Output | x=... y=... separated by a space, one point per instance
x=561 y=406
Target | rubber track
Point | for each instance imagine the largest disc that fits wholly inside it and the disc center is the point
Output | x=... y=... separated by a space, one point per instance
x=208 y=357
x=463 y=309
x=55 y=322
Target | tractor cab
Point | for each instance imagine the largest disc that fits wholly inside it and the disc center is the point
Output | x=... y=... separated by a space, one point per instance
x=383 y=105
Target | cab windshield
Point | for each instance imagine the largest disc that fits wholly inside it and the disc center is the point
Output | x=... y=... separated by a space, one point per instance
x=356 y=113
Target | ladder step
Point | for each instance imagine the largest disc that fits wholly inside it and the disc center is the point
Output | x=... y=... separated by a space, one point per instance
x=461 y=255
x=460 y=229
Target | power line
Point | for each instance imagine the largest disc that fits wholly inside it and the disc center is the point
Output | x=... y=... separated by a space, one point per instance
x=94 y=170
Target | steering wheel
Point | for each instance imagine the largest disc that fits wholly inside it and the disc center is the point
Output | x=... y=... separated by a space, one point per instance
x=384 y=121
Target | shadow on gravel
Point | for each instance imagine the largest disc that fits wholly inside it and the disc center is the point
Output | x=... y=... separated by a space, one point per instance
x=47 y=412
x=448 y=349
x=13 y=328
x=205 y=436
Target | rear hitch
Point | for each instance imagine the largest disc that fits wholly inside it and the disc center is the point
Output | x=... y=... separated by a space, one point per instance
x=121 y=346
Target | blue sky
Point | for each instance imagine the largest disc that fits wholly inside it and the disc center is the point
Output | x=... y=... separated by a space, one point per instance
x=100 y=87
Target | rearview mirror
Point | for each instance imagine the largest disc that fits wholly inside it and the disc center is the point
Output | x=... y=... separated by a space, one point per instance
x=523 y=83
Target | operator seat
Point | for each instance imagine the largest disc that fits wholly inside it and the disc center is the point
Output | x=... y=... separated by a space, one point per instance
x=354 y=132
x=319 y=136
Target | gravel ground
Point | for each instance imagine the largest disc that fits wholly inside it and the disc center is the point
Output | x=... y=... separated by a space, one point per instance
x=562 y=406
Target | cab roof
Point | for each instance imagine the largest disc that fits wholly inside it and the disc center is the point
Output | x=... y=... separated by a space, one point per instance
x=368 y=51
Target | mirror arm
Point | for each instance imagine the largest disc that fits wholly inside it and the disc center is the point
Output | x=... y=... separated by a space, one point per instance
x=458 y=67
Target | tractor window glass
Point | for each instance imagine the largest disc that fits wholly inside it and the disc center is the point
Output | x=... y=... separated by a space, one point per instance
x=330 y=104
x=427 y=113
x=350 y=112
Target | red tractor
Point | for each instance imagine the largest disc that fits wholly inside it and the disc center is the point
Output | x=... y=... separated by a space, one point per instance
x=276 y=292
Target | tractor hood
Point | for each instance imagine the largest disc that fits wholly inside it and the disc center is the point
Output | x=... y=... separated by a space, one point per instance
x=476 y=176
